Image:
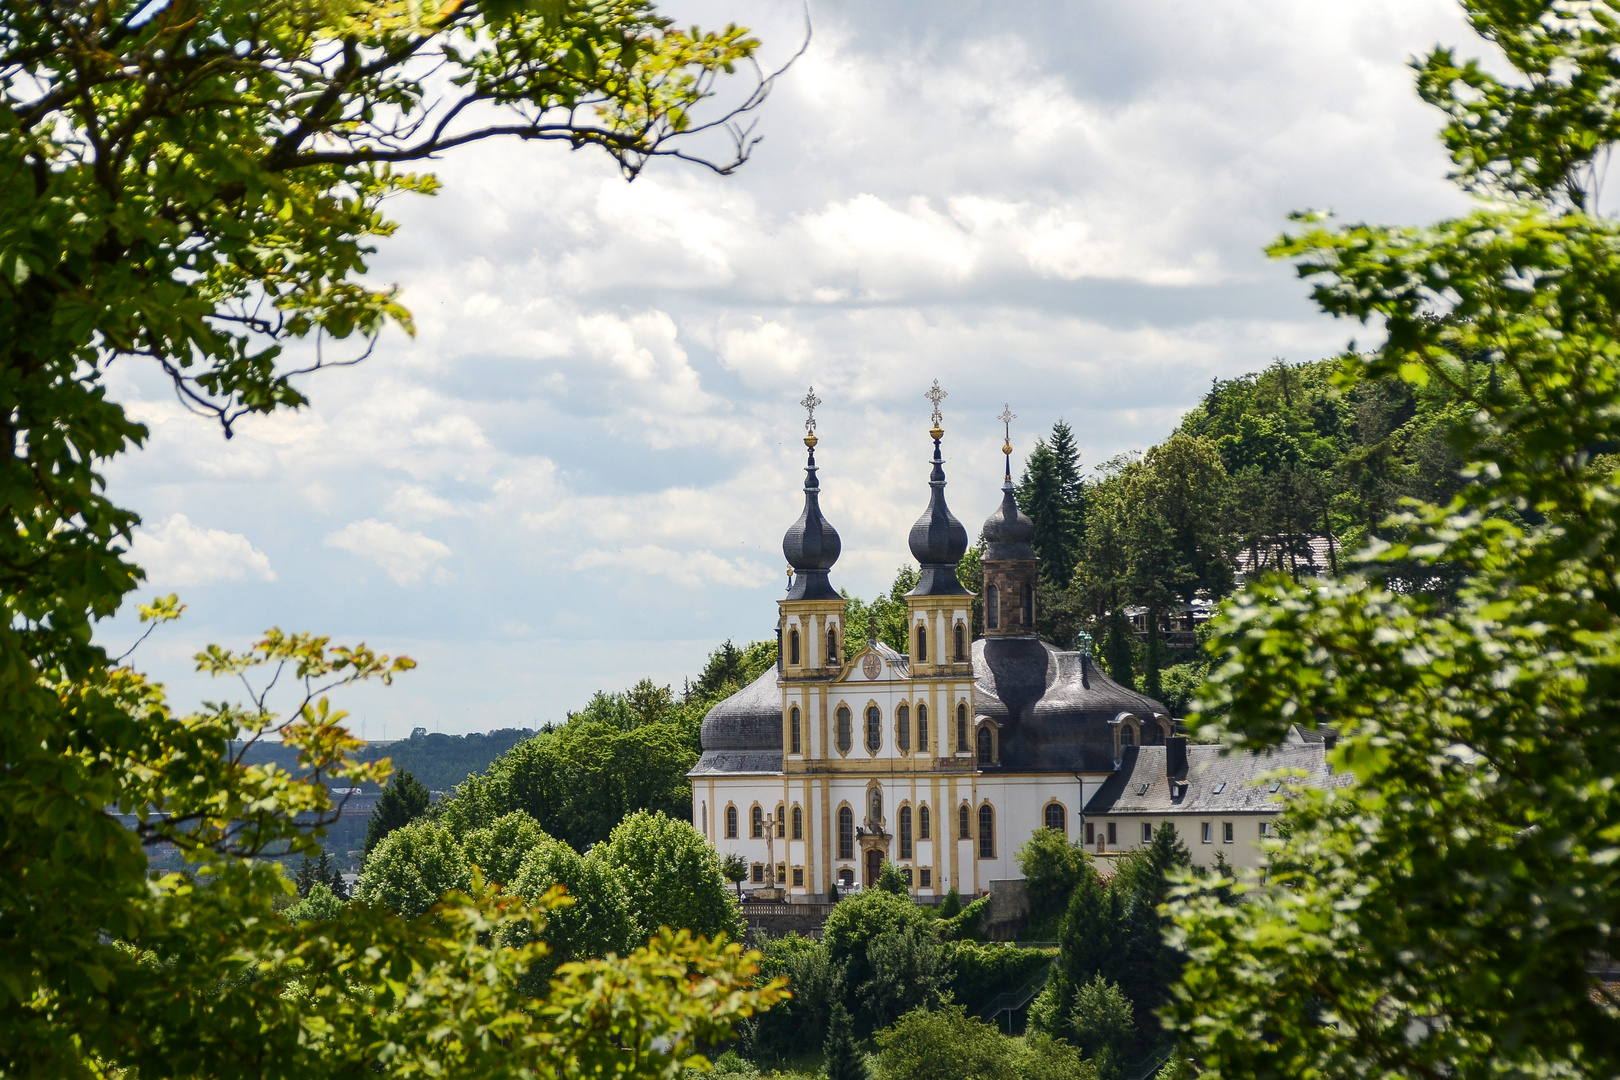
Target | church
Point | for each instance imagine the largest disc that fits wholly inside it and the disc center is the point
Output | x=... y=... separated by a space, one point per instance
x=946 y=759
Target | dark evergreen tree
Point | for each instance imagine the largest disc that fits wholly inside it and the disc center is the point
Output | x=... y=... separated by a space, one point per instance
x=844 y=1058
x=1052 y=493
x=403 y=801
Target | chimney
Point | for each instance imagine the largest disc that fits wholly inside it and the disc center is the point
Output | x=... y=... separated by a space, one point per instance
x=1175 y=758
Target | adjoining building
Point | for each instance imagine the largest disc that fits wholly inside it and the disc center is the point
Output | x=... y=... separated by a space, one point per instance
x=947 y=758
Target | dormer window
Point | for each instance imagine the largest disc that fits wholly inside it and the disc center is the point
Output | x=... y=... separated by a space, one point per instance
x=992 y=608
x=986 y=746
x=793 y=647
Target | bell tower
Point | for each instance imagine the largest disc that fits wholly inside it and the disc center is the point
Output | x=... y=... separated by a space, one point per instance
x=1010 y=563
x=810 y=618
x=939 y=610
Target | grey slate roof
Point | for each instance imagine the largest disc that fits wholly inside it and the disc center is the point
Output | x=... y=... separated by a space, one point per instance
x=743 y=734
x=1244 y=781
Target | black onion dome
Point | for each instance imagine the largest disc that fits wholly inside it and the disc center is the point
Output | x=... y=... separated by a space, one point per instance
x=1008 y=531
x=743 y=733
x=1057 y=709
x=811 y=544
x=938 y=540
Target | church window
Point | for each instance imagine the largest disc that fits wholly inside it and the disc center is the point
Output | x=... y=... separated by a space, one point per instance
x=924 y=829
x=1127 y=735
x=798 y=877
x=781 y=821
x=731 y=823
x=793 y=647
x=795 y=732
x=961 y=643
x=798 y=823
x=846 y=878
x=874 y=729
x=922 y=728
x=832 y=647
x=846 y=833
x=905 y=832
x=841 y=725
x=1026 y=611
x=964 y=830
x=705 y=817
x=1113 y=833
x=1054 y=816
x=781 y=873
x=985 y=746
x=992 y=608
x=902 y=727
x=961 y=728
x=757 y=873
x=756 y=822
x=927 y=878
x=1091 y=832
x=922 y=644
x=987 y=832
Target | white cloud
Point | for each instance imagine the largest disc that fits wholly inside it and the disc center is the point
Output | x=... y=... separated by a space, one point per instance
x=176 y=552
x=406 y=556
x=693 y=569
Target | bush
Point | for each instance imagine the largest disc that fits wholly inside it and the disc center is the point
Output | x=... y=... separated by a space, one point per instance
x=951 y=906
x=798 y=1026
x=1052 y=868
x=908 y=971
x=979 y=971
x=321 y=903
x=857 y=921
x=891 y=880
x=945 y=1045
x=966 y=925
x=1046 y=1058
x=499 y=849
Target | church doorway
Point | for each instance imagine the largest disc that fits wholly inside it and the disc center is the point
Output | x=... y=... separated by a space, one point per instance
x=874 y=866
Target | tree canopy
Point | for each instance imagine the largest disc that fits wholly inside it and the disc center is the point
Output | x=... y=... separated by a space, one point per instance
x=1435 y=915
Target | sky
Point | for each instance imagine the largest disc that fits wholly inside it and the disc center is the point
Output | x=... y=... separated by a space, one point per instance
x=577 y=473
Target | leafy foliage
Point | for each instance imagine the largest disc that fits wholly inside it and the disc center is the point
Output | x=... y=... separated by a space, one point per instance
x=948 y=1044
x=1435 y=915
x=1104 y=1027
x=402 y=802
x=672 y=876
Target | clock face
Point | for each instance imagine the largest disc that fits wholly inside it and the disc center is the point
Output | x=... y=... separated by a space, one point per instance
x=871 y=666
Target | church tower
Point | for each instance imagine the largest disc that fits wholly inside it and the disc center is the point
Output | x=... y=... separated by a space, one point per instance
x=810 y=618
x=1010 y=564
x=939 y=610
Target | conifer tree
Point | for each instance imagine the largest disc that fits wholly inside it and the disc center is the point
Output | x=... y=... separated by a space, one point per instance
x=844 y=1058
x=403 y=801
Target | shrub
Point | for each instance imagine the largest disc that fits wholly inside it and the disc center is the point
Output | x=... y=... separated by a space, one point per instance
x=321 y=903
x=499 y=849
x=412 y=867
x=908 y=971
x=945 y=1045
x=980 y=971
x=857 y=920
x=1052 y=868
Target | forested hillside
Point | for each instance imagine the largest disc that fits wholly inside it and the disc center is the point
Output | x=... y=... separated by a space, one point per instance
x=1263 y=466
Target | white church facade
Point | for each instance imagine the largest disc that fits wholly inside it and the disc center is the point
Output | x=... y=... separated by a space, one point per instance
x=946 y=759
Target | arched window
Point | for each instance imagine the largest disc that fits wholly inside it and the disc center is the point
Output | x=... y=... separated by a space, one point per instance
x=924 y=826
x=841 y=727
x=922 y=644
x=731 y=823
x=961 y=728
x=1054 y=816
x=756 y=823
x=922 y=727
x=992 y=608
x=1127 y=735
x=781 y=821
x=833 y=659
x=793 y=647
x=964 y=829
x=905 y=832
x=961 y=643
x=1026 y=610
x=987 y=832
x=795 y=732
x=798 y=823
x=874 y=729
x=846 y=833
x=902 y=727
x=877 y=807
x=985 y=746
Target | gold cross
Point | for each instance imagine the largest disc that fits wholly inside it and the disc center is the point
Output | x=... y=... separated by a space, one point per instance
x=810 y=402
x=936 y=395
x=1007 y=417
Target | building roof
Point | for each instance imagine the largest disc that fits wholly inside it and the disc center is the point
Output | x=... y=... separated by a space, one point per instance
x=811 y=544
x=1218 y=782
x=743 y=733
x=938 y=541
x=1008 y=532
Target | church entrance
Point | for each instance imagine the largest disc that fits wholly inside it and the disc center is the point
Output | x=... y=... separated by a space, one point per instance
x=874 y=865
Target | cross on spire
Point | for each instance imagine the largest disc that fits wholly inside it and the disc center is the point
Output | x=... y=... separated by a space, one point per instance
x=936 y=395
x=1007 y=417
x=810 y=402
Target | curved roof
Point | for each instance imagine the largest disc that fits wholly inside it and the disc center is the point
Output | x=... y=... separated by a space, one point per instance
x=743 y=733
x=1008 y=531
x=938 y=541
x=811 y=545
x=1056 y=709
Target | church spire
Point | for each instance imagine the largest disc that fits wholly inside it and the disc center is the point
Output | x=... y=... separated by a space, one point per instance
x=1010 y=562
x=811 y=544
x=938 y=540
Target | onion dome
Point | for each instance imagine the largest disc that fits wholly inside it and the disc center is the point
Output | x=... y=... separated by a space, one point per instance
x=811 y=544
x=938 y=540
x=1008 y=531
